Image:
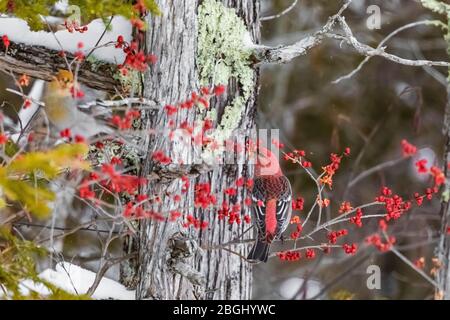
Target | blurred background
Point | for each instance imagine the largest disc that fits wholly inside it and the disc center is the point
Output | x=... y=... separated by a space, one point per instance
x=371 y=113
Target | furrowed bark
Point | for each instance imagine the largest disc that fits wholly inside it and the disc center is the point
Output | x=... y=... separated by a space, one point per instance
x=443 y=249
x=172 y=263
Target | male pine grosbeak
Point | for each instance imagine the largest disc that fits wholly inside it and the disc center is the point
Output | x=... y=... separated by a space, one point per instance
x=272 y=207
x=62 y=111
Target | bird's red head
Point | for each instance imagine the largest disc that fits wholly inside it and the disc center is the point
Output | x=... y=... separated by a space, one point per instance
x=267 y=163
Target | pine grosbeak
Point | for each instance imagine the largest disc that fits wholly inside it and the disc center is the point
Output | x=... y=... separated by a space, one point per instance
x=272 y=208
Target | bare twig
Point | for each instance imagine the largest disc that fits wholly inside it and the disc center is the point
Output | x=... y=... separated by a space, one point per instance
x=409 y=263
x=282 y=13
x=104 y=268
x=369 y=51
x=375 y=169
x=380 y=45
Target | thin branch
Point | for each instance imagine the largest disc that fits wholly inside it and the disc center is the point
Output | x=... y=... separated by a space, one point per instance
x=380 y=45
x=282 y=13
x=104 y=268
x=409 y=263
x=284 y=54
x=339 y=218
x=143 y=103
x=341 y=276
x=369 y=51
x=375 y=169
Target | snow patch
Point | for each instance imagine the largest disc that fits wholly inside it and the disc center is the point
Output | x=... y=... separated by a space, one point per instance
x=18 y=31
x=77 y=280
x=289 y=289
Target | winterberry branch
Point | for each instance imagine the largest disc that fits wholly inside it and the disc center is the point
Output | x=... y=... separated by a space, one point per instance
x=320 y=247
x=336 y=219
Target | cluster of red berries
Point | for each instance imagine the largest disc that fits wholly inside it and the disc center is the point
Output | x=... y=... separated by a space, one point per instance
x=298 y=156
x=422 y=166
x=117 y=182
x=298 y=204
x=203 y=197
x=345 y=207
x=408 y=149
x=376 y=241
x=298 y=231
x=109 y=178
x=232 y=213
x=196 y=223
x=132 y=210
x=202 y=98
x=350 y=248
x=160 y=157
x=394 y=205
x=74 y=26
x=135 y=58
x=289 y=255
x=334 y=235
x=67 y=134
x=330 y=170
x=310 y=253
x=126 y=122
x=3 y=138
x=6 y=42
x=357 y=219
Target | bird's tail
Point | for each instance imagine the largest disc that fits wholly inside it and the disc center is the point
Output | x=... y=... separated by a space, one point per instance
x=259 y=252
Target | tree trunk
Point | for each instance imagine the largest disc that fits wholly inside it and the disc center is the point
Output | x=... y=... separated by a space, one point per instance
x=443 y=249
x=175 y=262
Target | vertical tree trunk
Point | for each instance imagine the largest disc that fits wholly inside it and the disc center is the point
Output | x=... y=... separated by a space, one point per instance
x=443 y=249
x=171 y=263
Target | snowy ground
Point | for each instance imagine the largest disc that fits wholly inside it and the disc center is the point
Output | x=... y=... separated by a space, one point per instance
x=77 y=280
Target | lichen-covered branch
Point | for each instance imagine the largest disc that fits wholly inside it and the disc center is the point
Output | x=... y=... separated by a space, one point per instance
x=284 y=54
x=43 y=63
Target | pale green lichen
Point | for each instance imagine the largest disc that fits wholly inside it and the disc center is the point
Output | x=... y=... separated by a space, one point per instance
x=221 y=51
x=126 y=152
x=131 y=81
x=436 y=6
x=222 y=55
x=94 y=63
